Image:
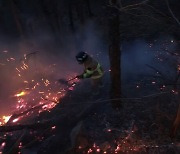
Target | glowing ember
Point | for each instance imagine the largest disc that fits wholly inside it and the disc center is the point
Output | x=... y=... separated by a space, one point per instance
x=54 y=127
x=37 y=94
x=15 y=120
x=20 y=145
x=90 y=150
x=118 y=148
x=41 y=92
x=71 y=88
x=2 y=146
x=12 y=58
x=49 y=106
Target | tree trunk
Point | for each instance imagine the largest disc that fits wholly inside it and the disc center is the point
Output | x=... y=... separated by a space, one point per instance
x=71 y=19
x=89 y=9
x=50 y=10
x=16 y=18
x=115 y=55
x=80 y=11
x=176 y=123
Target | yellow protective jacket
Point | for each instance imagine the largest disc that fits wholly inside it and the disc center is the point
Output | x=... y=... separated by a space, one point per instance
x=92 y=69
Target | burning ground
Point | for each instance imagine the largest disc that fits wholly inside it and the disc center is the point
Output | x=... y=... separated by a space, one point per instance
x=44 y=116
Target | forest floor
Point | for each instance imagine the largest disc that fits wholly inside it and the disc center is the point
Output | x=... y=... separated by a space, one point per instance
x=84 y=124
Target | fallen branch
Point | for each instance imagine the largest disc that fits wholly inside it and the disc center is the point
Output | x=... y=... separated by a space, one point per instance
x=15 y=116
x=16 y=143
x=33 y=141
x=35 y=126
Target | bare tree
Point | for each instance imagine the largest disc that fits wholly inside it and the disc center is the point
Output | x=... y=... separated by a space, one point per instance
x=71 y=18
x=89 y=8
x=16 y=17
x=115 y=54
x=176 y=122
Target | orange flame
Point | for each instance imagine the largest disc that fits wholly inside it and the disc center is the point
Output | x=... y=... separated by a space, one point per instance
x=4 y=120
x=22 y=93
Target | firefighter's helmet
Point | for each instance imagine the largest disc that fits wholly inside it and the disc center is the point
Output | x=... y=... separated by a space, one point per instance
x=81 y=57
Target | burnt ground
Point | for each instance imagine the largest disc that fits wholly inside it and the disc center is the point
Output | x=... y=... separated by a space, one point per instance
x=84 y=124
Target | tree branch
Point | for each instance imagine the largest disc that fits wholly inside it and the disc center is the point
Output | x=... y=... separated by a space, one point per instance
x=128 y=6
x=156 y=70
x=134 y=5
x=171 y=12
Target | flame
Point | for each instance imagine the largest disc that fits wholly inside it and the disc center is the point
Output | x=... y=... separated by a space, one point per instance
x=22 y=93
x=5 y=119
x=33 y=91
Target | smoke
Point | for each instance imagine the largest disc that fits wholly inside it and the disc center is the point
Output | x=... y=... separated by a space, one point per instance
x=136 y=55
x=47 y=60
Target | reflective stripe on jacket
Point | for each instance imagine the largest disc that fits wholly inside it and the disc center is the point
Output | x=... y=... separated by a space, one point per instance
x=92 y=69
x=89 y=73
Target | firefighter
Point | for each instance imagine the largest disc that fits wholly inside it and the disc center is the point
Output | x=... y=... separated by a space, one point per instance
x=92 y=69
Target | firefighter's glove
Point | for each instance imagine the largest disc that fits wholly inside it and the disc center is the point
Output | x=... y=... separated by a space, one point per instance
x=79 y=76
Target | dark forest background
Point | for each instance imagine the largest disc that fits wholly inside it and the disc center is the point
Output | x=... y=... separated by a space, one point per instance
x=137 y=43
x=28 y=19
